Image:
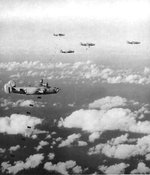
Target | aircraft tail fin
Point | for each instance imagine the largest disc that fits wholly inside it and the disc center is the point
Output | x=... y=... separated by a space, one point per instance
x=8 y=86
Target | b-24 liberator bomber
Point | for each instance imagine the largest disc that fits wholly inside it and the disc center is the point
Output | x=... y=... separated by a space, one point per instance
x=133 y=42
x=58 y=34
x=41 y=89
x=67 y=51
x=87 y=44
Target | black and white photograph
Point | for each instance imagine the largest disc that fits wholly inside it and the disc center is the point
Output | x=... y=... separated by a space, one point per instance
x=74 y=87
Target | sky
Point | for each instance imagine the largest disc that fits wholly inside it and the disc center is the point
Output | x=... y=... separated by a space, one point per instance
x=27 y=26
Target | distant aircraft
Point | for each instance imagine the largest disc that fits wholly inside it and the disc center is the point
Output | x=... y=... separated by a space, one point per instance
x=12 y=155
x=58 y=34
x=133 y=42
x=29 y=127
x=67 y=51
x=41 y=89
x=28 y=112
x=87 y=44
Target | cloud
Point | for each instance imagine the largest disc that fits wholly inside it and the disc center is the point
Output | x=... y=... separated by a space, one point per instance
x=77 y=170
x=48 y=136
x=32 y=133
x=51 y=156
x=17 y=123
x=41 y=144
x=2 y=150
x=63 y=167
x=120 y=150
x=13 y=65
x=71 y=104
x=14 y=148
x=98 y=120
x=26 y=103
x=141 y=169
x=82 y=143
x=78 y=72
x=53 y=133
x=119 y=140
x=70 y=139
x=58 y=139
x=92 y=120
x=108 y=102
x=146 y=70
x=31 y=162
x=147 y=157
x=34 y=136
x=114 y=169
x=94 y=136
x=6 y=103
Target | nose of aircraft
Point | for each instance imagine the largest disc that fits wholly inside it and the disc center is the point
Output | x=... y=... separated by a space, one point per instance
x=57 y=89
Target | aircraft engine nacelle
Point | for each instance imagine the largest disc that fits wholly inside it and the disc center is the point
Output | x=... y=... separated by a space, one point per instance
x=7 y=88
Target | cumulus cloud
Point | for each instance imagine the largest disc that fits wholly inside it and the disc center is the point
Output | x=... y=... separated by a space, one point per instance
x=63 y=167
x=96 y=121
x=6 y=103
x=78 y=71
x=48 y=136
x=32 y=133
x=2 y=150
x=51 y=156
x=102 y=120
x=31 y=162
x=82 y=143
x=114 y=169
x=119 y=140
x=17 y=123
x=41 y=144
x=14 y=148
x=34 y=136
x=141 y=169
x=122 y=151
x=53 y=133
x=147 y=156
x=70 y=139
x=13 y=65
x=58 y=139
x=108 y=102
x=94 y=136
x=146 y=70
x=71 y=104
x=26 y=103
x=77 y=170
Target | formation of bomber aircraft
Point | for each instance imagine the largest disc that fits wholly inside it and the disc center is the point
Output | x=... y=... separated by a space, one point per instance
x=42 y=88
x=86 y=44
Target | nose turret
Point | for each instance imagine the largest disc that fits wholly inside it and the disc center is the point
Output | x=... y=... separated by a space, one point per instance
x=56 y=89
